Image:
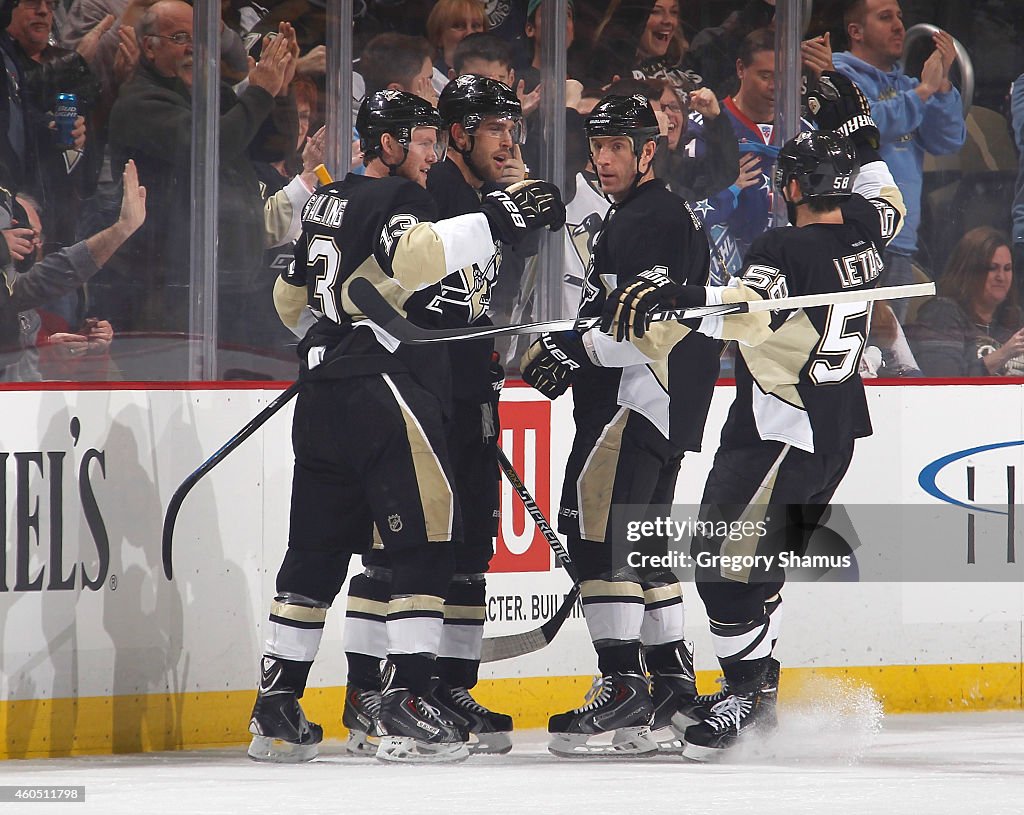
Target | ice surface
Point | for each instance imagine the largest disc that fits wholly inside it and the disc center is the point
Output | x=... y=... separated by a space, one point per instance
x=833 y=754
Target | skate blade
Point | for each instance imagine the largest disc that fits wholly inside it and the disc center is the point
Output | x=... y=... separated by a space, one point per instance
x=490 y=744
x=362 y=745
x=703 y=755
x=407 y=750
x=279 y=751
x=636 y=742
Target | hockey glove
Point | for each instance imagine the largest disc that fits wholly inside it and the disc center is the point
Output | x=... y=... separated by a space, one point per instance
x=836 y=103
x=628 y=309
x=552 y=361
x=523 y=208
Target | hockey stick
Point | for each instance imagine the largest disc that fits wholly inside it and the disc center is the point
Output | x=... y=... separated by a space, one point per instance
x=179 y=494
x=372 y=303
x=515 y=645
x=324 y=176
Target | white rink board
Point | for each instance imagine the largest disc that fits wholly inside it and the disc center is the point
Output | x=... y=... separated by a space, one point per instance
x=140 y=634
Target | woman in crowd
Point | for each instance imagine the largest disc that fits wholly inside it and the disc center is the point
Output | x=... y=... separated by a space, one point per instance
x=643 y=39
x=449 y=23
x=974 y=326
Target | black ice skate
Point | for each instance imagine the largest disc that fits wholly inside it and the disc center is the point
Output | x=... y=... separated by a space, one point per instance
x=280 y=731
x=362 y=709
x=618 y=703
x=739 y=715
x=413 y=730
x=489 y=732
x=674 y=694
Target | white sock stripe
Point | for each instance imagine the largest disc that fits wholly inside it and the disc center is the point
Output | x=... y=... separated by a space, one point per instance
x=614 y=620
x=414 y=635
x=288 y=642
x=366 y=637
x=662 y=625
x=461 y=642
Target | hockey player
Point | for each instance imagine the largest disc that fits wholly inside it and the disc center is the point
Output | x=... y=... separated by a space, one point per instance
x=482 y=121
x=638 y=406
x=800 y=402
x=370 y=453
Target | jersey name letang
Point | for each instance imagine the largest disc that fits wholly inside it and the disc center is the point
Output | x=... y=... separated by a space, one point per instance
x=856 y=270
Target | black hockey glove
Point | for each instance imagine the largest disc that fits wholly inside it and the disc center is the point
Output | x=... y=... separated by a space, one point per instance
x=628 y=309
x=523 y=208
x=551 y=362
x=836 y=103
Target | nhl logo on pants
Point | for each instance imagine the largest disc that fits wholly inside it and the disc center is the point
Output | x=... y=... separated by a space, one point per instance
x=395 y=522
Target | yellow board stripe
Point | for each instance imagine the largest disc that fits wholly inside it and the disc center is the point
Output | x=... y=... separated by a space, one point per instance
x=102 y=725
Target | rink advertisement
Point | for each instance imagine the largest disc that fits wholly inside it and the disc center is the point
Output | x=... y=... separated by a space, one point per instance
x=99 y=652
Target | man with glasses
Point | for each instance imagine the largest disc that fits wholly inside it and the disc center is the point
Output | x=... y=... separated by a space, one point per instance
x=152 y=123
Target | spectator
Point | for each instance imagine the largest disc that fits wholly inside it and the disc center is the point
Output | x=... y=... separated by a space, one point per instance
x=398 y=62
x=713 y=51
x=274 y=177
x=52 y=172
x=529 y=75
x=487 y=55
x=702 y=154
x=70 y=345
x=914 y=116
x=974 y=326
x=151 y=122
x=449 y=23
x=738 y=214
x=643 y=39
x=62 y=271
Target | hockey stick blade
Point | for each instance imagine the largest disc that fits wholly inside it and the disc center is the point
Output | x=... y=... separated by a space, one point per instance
x=517 y=645
x=373 y=305
x=192 y=479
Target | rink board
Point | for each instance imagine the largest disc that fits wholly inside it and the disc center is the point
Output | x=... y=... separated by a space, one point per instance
x=100 y=653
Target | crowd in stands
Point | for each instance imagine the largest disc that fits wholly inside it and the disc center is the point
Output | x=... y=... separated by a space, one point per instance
x=708 y=69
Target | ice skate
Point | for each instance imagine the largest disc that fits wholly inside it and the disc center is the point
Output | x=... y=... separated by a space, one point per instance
x=489 y=732
x=674 y=694
x=619 y=704
x=413 y=731
x=280 y=731
x=739 y=715
x=362 y=709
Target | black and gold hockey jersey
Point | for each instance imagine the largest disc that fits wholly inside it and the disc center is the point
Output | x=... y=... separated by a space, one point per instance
x=797 y=374
x=384 y=230
x=462 y=298
x=668 y=375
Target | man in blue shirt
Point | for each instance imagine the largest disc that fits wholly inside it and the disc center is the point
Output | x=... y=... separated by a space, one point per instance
x=914 y=116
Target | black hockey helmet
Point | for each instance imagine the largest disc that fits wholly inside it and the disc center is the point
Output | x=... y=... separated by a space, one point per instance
x=397 y=113
x=630 y=116
x=469 y=99
x=824 y=164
